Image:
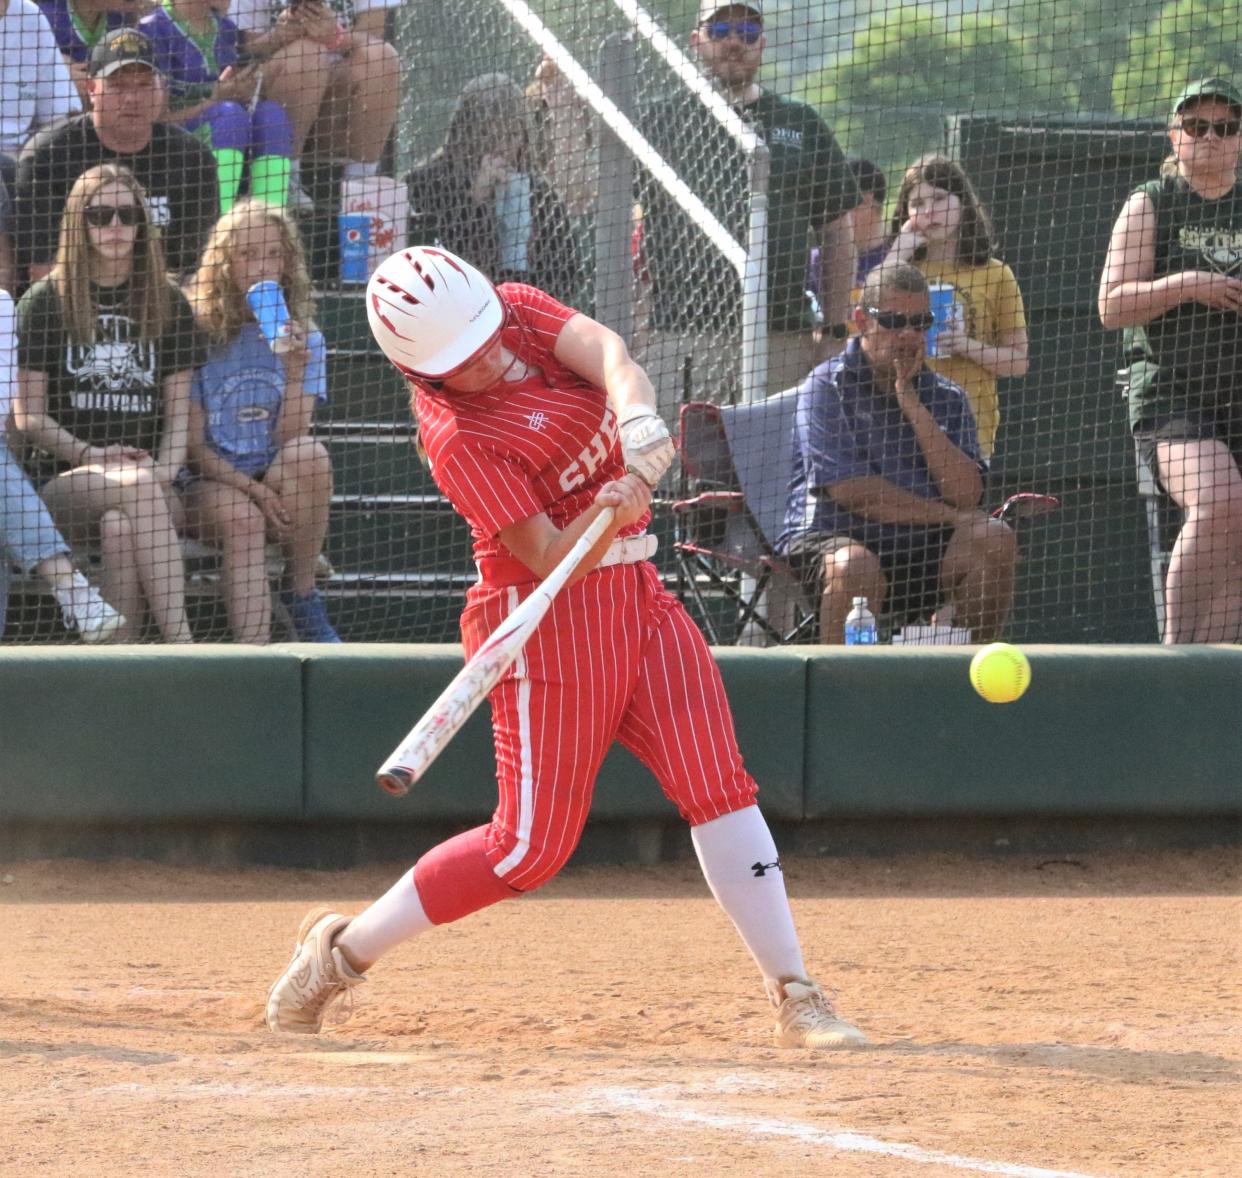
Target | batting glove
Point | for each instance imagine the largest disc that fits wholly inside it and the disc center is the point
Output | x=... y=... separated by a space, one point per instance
x=645 y=444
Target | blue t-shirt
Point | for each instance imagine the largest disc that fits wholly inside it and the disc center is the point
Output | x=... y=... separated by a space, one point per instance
x=73 y=38
x=191 y=64
x=241 y=388
x=845 y=428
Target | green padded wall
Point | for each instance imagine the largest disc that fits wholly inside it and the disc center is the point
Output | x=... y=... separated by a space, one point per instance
x=360 y=701
x=146 y=733
x=1101 y=730
x=766 y=689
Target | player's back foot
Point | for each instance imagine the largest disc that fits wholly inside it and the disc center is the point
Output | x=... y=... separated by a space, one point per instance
x=806 y=1018
x=316 y=977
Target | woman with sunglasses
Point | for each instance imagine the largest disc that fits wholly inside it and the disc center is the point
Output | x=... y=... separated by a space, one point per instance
x=1173 y=281
x=535 y=420
x=941 y=227
x=106 y=349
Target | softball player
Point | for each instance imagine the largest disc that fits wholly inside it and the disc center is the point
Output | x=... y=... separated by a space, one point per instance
x=531 y=416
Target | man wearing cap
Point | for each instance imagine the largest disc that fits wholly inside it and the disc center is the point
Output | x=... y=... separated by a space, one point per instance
x=696 y=298
x=176 y=170
x=1173 y=281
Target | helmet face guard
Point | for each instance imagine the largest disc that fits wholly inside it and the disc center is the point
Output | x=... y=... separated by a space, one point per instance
x=432 y=313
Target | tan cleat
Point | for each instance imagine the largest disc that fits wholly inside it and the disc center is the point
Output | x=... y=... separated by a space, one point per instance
x=805 y=1018
x=314 y=979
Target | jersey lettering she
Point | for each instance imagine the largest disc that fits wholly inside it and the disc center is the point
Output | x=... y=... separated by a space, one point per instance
x=585 y=465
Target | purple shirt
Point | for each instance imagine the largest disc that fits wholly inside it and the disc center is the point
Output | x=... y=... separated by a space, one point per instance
x=73 y=39
x=191 y=67
x=845 y=428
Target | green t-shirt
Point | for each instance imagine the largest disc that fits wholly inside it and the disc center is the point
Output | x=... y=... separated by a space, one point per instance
x=810 y=185
x=1193 y=349
x=110 y=391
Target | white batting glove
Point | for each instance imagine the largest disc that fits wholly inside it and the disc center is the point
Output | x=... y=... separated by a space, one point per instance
x=645 y=444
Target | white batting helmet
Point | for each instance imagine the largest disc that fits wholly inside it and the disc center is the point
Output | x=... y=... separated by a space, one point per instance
x=431 y=312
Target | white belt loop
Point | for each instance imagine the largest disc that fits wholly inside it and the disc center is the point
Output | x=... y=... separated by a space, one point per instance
x=629 y=550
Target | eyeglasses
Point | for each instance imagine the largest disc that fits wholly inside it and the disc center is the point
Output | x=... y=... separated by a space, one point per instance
x=896 y=321
x=1223 y=128
x=746 y=31
x=101 y=216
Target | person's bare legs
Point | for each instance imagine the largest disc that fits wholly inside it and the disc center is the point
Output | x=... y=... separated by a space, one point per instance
x=851 y=571
x=301 y=474
x=118 y=574
x=230 y=520
x=298 y=77
x=359 y=109
x=1203 y=589
x=149 y=546
x=977 y=575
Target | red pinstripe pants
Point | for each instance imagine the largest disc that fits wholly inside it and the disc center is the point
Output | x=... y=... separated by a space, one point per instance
x=615 y=658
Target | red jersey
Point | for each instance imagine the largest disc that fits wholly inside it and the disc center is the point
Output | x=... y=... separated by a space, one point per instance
x=546 y=443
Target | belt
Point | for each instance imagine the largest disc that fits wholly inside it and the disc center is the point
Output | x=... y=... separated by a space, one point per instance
x=497 y=571
x=629 y=550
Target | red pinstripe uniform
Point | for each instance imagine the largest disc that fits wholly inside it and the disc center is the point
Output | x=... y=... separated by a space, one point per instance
x=616 y=657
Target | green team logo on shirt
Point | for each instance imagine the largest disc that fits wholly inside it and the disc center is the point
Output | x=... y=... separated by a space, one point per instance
x=1220 y=248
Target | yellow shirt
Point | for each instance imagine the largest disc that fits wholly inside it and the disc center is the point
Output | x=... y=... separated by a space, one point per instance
x=992 y=309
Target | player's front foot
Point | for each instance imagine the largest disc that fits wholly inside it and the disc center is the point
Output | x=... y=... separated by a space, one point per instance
x=314 y=979
x=806 y=1018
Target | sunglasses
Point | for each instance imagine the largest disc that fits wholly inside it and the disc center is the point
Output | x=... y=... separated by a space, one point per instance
x=101 y=216
x=896 y=321
x=1223 y=128
x=746 y=31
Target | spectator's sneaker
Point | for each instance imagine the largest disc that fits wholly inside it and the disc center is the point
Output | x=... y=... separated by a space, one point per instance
x=316 y=977
x=309 y=616
x=93 y=618
x=805 y=1018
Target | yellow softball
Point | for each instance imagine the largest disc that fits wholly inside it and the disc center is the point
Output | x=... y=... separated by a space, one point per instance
x=1000 y=673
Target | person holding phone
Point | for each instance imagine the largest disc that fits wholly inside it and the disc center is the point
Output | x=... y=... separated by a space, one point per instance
x=212 y=94
x=334 y=73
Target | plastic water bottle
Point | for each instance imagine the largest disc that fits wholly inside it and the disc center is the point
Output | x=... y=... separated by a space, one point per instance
x=860 y=625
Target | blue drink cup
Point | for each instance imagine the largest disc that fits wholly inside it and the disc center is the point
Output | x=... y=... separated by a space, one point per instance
x=355 y=236
x=267 y=301
x=943 y=304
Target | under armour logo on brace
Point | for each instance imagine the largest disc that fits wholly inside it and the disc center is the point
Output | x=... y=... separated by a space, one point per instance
x=760 y=868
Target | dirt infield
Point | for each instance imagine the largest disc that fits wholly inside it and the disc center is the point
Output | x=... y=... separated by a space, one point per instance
x=1029 y=1016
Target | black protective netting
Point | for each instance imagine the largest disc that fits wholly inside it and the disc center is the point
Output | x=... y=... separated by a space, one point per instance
x=723 y=187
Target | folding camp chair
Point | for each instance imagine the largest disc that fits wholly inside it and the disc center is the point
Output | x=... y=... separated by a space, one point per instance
x=736 y=461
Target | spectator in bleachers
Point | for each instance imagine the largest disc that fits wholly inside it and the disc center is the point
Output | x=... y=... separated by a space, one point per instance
x=210 y=94
x=1173 y=280
x=870 y=232
x=259 y=472
x=35 y=89
x=887 y=478
x=106 y=349
x=565 y=151
x=941 y=227
x=175 y=170
x=696 y=293
x=870 y=229
x=79 y=25
x=484 y=199
x=334 y=72
x=28 y=537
